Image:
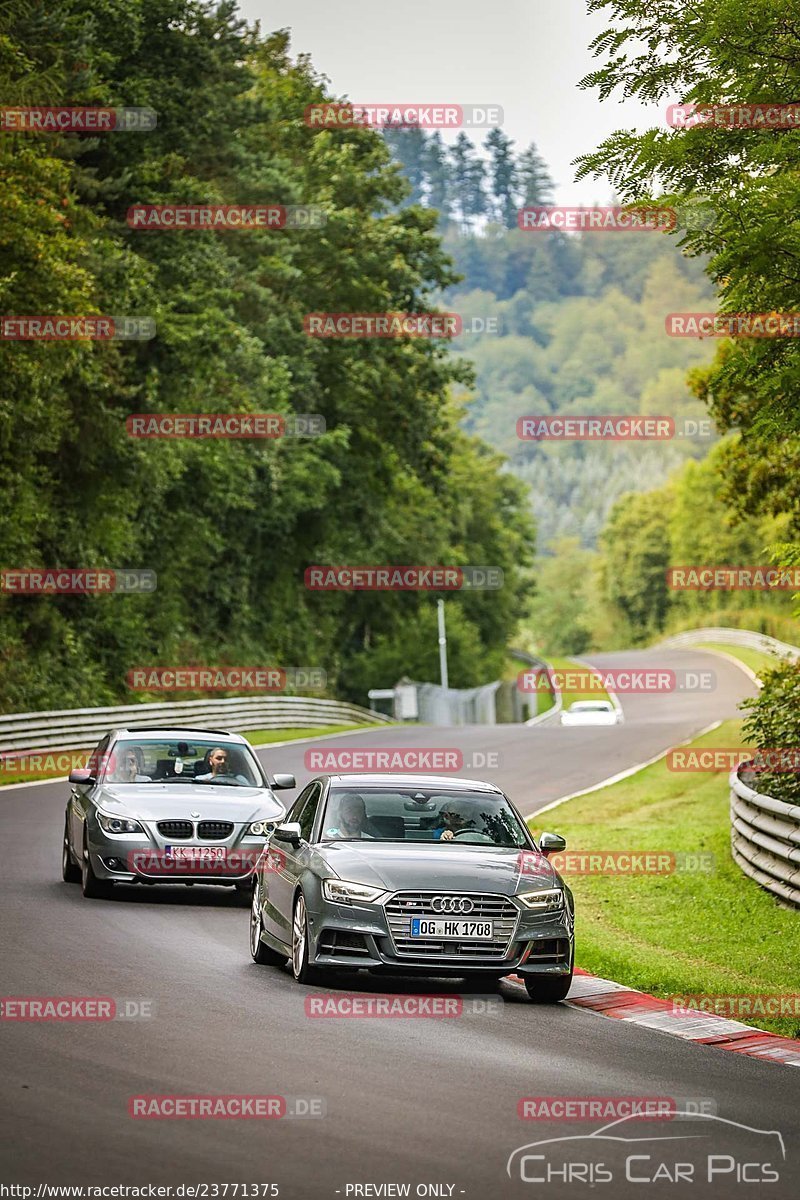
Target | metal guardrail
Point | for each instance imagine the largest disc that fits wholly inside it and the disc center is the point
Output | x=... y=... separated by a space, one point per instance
x=82 y=728
x=734 y=637
x=765 y=839
x=765 y=833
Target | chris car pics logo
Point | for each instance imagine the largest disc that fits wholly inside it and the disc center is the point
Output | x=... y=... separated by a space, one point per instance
x=695 y=1147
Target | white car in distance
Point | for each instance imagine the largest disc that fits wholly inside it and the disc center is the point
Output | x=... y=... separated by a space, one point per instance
x=591 y=712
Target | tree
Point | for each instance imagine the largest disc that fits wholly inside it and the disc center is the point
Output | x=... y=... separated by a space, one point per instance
x=502 y=177
x=439 y=176
x=722 y=53
x=468 y=173
x=533 y=178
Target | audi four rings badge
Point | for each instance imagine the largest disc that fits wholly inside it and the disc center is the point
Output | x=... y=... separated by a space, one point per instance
x=452 y=904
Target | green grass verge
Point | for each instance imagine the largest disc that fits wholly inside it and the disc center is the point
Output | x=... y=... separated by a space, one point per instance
x=261 y=737
x=683 y=933
x=756 y=660
x=581 y=692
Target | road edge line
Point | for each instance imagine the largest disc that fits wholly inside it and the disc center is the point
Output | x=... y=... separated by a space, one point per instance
x=623 y=774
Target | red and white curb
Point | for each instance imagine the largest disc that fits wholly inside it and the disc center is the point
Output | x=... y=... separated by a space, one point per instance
x=610 y=999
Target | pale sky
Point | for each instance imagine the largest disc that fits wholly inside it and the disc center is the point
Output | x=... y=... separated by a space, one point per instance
x=525 y=55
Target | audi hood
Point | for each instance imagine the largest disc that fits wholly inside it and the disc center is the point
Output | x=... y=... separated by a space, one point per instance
x=400 y=867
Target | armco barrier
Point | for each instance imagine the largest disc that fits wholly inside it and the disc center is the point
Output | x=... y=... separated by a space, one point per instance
x=765 y=833
x=734 y=637
x=82 y=728
x=765 y=839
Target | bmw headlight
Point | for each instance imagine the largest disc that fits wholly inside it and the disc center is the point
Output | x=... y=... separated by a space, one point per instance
x=260 y=828
x=110 y=824
x=340 y=891
x=546 y=901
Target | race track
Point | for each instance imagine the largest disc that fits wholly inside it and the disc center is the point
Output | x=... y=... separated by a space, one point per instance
x=412 y=1101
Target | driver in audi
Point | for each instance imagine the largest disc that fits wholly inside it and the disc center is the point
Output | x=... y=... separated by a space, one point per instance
x=454 y=815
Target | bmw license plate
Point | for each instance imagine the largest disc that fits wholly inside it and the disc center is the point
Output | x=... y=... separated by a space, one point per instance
x=196 y=854
x=454 y=930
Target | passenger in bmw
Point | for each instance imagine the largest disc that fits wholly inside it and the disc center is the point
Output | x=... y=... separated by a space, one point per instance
x=130 y=770
x=353 y=822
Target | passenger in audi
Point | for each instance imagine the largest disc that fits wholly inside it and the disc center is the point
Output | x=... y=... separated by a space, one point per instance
x=353 y=822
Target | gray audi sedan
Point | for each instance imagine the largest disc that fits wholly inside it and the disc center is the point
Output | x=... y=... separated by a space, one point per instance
x=169 y=806
x=412 y=874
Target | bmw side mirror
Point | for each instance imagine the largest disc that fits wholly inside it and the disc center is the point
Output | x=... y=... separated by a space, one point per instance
x=81 y=775
x=552 y=843
x=288 y=832
x=281 y=782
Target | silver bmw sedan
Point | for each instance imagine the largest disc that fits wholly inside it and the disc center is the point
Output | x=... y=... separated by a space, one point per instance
x=178 y=806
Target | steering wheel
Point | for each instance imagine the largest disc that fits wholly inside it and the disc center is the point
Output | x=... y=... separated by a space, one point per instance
x=473 y=835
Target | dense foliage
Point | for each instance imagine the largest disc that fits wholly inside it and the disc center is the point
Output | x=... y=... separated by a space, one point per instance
x=773 y=725
x=228 y=526
x=623 y=594
x=723 y=52
x=578 y=328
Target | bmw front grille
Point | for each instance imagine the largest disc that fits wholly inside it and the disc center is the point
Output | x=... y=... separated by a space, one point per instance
x=484 y=907
x=212 y=831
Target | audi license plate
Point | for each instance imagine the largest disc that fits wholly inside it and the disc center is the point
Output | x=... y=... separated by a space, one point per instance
x=454 y=930
x=196 y=854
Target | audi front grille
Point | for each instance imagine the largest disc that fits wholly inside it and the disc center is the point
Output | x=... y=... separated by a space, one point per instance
x=215 y=830
x=175 y=829
x=498 y=909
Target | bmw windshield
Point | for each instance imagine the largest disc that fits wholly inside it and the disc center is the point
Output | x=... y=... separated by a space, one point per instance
x=432 y=815
x=217 y=762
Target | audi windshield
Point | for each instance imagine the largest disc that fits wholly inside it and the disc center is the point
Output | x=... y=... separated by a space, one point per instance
x=436 y=815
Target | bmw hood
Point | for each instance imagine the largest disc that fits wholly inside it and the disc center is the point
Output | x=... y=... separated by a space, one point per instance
x=174 y=801
x=424 y=866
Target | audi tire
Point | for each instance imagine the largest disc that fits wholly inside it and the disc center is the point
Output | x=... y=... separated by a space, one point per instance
x=548 y=989
x=301 y=967
x=70 y=872
x=262 y=954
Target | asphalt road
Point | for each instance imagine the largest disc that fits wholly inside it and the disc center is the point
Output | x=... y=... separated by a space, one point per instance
x=431 y=1103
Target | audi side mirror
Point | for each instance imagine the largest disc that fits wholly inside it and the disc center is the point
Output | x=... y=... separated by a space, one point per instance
x=288 y=832
x=552 y=843
x=282 y=782
x=81 y=775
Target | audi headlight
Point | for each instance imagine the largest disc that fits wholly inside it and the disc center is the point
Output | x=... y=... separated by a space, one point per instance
x=340 y=891
x=118 y=824
x=546 y=901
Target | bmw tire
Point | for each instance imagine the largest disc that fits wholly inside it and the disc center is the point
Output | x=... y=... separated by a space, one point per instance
x=92 y=887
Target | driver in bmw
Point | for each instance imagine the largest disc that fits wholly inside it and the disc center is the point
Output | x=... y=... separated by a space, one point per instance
x=218 y=761
x=454 y=815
